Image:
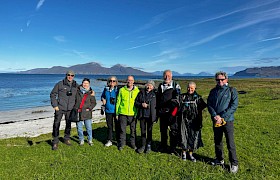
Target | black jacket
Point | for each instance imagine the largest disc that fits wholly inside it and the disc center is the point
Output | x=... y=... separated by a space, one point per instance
x=167 y=99
x=149 y=98
x=59 y=95
x=89 y=104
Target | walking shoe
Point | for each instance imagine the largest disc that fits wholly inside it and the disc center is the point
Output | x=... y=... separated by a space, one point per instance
x=133 y=146
x=67 y=142
x=141 y=149
x=90 y=142
x=184 y=156
x=109 y=143
x=234 y=168
x=55 y=146
x=217 y=162
x=82 y=142
x=120 y=148
x=148 y=148
x=192 y=158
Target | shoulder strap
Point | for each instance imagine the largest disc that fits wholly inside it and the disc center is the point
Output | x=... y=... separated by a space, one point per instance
x=83 y=101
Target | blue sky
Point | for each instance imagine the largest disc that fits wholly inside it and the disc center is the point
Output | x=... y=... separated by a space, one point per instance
x=187 y=36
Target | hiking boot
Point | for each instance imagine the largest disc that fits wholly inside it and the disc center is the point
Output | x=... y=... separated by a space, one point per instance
x=184 y=156
x=192 y=158
x=109 y=143
x=82 y=142
x=55 y=146
x=141 y=149
x=217 y=162
x=148 y=148
x=234 y=168
x=67 y=142
x=90 y=142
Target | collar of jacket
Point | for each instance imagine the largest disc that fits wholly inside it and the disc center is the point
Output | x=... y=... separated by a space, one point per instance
x=65 y=82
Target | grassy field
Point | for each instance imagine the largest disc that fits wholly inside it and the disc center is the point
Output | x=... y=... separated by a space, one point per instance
x=257 y=137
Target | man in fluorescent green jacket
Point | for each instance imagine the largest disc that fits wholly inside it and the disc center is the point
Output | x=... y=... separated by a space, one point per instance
x=126 y=112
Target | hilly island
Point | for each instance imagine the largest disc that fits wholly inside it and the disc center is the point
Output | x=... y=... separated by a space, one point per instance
x=95 y=68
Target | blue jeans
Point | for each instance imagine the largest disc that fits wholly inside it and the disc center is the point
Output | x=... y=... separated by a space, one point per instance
x=88 y=124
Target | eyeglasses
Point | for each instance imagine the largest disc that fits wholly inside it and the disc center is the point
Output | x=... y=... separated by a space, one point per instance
x=72 y=75
x=112 y=80
x=218 y=80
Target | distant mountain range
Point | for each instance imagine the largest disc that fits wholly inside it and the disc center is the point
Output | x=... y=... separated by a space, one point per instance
x=89 y=68
x=97 y=69
x=272 y=71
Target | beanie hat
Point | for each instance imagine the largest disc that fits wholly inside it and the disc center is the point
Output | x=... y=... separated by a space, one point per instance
x=151 y=82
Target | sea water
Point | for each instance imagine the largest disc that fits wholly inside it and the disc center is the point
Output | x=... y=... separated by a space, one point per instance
x=21 y=91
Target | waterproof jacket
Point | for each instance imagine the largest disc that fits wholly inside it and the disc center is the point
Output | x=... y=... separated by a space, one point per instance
x=125 y=101
x=150 y=99
x=223 y=101
x=190 y=109
x=111 y=98
x=90 y=103
x=167 y=98
x=59 y=96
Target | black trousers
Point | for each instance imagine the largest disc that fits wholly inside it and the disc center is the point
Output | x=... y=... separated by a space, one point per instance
x=146 y=126
x=110 y=120
x=165 y=121
x=123 y=121
x=228 y=129
x=57 y=119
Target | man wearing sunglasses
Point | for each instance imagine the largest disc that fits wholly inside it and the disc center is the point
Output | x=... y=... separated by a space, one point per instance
x=222 y=104
x=63 y=100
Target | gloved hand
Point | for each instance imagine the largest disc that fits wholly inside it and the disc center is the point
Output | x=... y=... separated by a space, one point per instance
x=102 y=110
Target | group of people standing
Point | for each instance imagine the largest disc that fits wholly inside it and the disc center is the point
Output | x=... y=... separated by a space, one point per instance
x=180 y=114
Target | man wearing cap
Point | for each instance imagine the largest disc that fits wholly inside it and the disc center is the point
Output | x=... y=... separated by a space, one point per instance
x=63 y=100
x=146 y=105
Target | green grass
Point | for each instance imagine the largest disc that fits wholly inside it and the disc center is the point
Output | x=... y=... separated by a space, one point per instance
x=257 y=130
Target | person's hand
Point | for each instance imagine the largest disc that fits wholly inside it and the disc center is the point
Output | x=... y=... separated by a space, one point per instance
x=56 y=108
x=103 y=101
x=117 y=117
x=92 y=93
x=218 y=119
x=144 y=105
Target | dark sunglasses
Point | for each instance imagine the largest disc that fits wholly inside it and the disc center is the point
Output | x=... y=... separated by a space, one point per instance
x=218 y=80
x=112 y=80
x=70 y=75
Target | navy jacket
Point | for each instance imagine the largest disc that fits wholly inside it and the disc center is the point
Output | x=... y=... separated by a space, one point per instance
x=223 y=101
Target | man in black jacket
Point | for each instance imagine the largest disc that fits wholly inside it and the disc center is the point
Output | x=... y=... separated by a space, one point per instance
x=167 y=101
x=63 y=100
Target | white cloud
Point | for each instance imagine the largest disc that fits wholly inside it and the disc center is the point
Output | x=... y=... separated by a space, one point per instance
x=40 y=4
x=135 y=47
x=270 y=39
x=59 y=38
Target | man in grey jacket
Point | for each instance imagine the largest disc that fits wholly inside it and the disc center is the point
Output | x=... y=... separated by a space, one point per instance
x=63 y=100
x=222 y=103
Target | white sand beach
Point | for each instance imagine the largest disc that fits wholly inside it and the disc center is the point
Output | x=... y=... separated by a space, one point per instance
x=33 y=122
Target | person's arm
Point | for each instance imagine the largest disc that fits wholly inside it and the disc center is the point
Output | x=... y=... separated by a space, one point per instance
x=92 y=102
x=119 y=98
x=103 y=97
x=53 y=97
x=138 y=103
x=210 y=104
